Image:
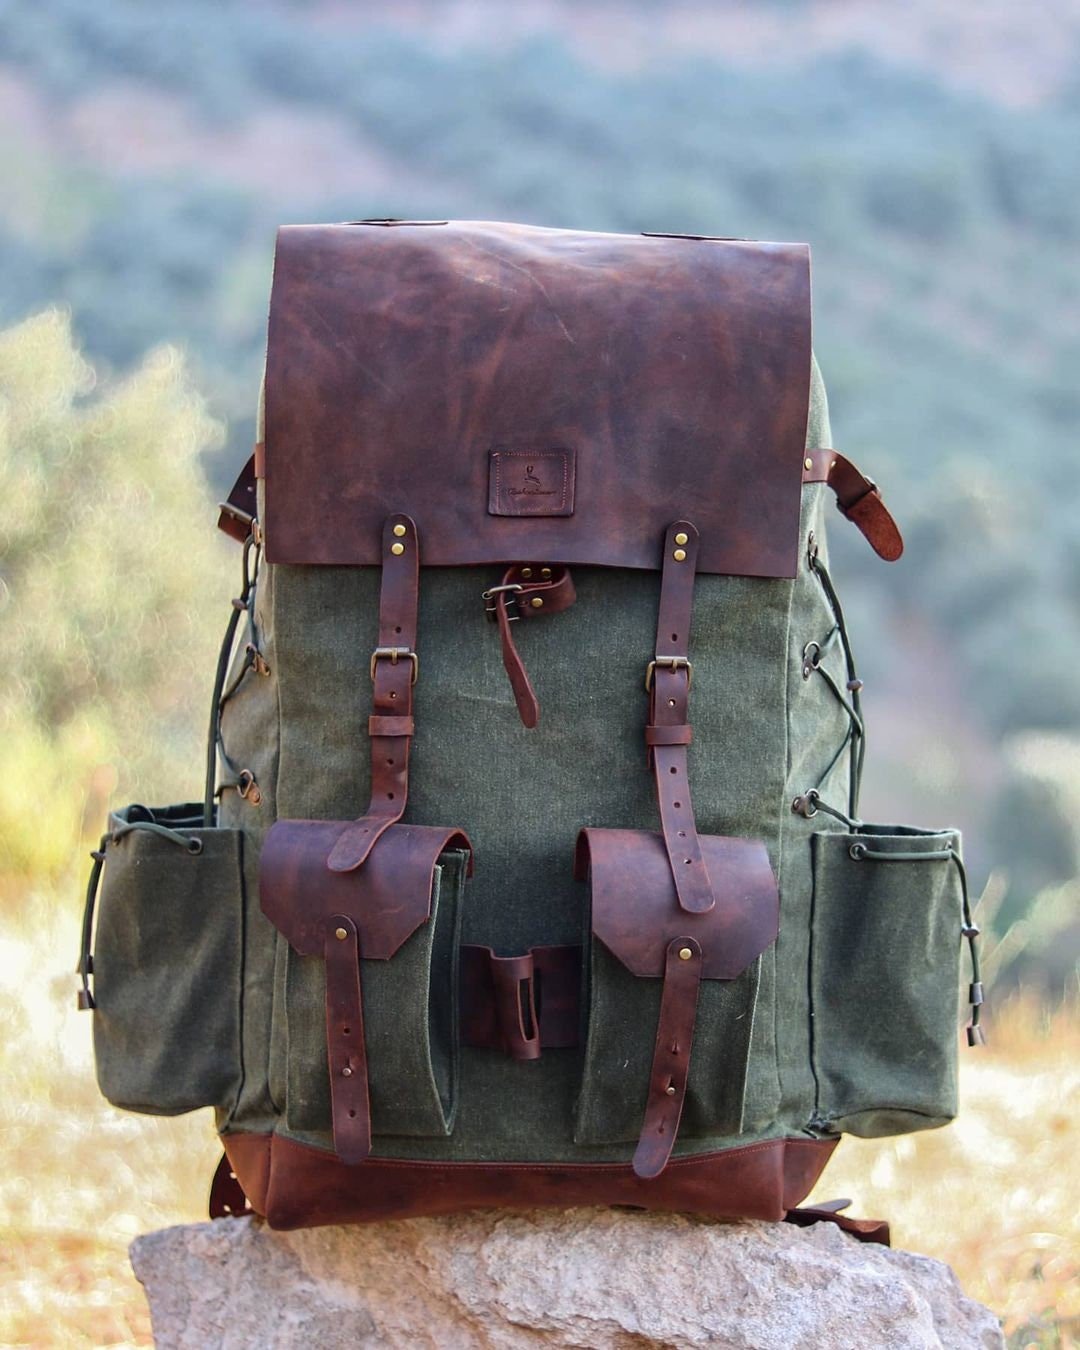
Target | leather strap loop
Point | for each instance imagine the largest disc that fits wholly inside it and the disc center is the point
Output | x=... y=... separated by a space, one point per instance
x=667 y=733
x=393 y=673
x=237 y=512
x=349 y=1103
x=533 y=596
x=671 y=1057
x=515 y=1003
x=858 y=498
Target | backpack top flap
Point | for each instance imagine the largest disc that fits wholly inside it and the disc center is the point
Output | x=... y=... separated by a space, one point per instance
x=530 y=394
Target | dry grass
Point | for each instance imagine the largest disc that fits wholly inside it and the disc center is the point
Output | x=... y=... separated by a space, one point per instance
x=994 y=1195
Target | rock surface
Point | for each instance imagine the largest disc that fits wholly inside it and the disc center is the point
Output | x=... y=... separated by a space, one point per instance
x=599 y=1279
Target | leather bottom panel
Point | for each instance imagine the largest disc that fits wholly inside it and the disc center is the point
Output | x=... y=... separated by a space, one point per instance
x=295 y=1186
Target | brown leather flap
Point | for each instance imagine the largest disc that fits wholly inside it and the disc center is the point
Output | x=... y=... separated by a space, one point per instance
x=534 y=393
x=388 y=898
x=636 y=912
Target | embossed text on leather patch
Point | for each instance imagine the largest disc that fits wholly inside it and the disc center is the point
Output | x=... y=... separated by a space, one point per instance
x=531 y=483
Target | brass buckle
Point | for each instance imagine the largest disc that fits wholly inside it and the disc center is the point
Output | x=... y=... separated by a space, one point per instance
x=489 y=595
x=669 y=663
x=394 y=653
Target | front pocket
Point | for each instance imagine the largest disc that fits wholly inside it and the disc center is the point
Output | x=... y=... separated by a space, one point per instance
x=369 y=981
x=167 y=961
x=884 y=971
x=671 y=994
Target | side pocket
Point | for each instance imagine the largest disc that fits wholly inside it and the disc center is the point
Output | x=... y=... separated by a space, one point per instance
x=671 y=993
x=884 y=972
x=370 y=980
x=167 y=958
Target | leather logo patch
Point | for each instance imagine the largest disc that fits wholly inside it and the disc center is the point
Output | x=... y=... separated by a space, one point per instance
x=531 y=483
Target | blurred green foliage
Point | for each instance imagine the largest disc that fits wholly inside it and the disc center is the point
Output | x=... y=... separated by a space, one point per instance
x=104 y=542
x=946 y=232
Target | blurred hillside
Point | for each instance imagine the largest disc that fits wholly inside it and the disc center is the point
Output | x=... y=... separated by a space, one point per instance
x=929 y=158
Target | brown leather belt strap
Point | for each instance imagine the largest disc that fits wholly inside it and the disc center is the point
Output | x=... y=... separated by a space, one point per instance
x=394 y=668
x=671 y=1057
x=858 y=498
x=350 y=1107
x=534 y=591
x=668 y=731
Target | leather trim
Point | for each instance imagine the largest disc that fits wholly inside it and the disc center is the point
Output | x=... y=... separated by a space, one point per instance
x=237 y=512
x=295 y=1186
x=678 y=373
x=488 y=1023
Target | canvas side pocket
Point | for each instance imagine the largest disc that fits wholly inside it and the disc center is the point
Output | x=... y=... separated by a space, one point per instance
x=884 y=971
x=167 y=957
x=671 y=994
x=368 y=984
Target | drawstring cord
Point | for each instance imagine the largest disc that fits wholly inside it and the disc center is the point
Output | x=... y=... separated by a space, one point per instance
x=812 y=654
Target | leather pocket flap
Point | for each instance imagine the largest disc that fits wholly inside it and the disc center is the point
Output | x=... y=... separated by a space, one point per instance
x=636 y=912
x=388 y=898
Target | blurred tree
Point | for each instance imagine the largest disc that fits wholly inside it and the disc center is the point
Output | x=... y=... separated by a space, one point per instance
x=110 y=577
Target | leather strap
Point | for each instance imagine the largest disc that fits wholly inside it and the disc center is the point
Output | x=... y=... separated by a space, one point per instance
x=668 y=731
x=237 y=512
x=491 y=1012
x=671 y=1057
x=864 y=1230
x=533 y=595
x=858 y=498
x=227 y=1199
x=394 y=666
x=349 y=1105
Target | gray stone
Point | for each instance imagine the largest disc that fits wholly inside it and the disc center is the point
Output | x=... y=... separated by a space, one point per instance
x=600 y=1279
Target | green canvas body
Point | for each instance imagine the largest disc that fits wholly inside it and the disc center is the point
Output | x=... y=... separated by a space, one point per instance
x=847 y=1021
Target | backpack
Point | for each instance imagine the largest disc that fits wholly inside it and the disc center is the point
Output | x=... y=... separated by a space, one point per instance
x=469 y=915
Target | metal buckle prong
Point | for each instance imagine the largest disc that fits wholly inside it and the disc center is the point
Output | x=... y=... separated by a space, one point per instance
x=669 y=663
x=394 y=653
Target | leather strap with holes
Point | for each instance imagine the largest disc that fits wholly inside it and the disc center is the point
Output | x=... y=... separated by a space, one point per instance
x=350 y=1107
x=533 y=595
x=394 y=667
x=668 y=731
x=671 y=1057
x=858 y=498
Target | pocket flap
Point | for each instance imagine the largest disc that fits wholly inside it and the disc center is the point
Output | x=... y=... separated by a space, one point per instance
x=636 y=912
x=387 y=899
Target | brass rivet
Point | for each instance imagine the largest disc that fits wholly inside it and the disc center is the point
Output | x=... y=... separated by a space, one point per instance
x=682 y=537
x=670 y=1089
x=679 y=555
x=399 y=530
x=526 y=571
x=545 y=571
x=536 y=602
x=340 y=934
x=685 y=953
x=397 y=549
x=346 y=1072
x=808 y=463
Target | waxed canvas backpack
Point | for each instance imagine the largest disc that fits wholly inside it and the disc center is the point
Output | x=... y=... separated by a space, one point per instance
x=468 y=915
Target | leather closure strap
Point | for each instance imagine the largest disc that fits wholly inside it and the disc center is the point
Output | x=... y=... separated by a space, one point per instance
x=394 y=668
x=534 y=591
x=671 y=1057
x=236 y=514
x=858 y=498
x=349 y=1103
x=668 y=731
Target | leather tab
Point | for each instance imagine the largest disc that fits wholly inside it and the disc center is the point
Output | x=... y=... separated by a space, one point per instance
x=671 y=1057
x=350 y=1106
x=533 y=596
x=237 y=513
x=556 y=998
x=227 y=1199
x=515 y=1004
x=858 y=498
x=863 y=1230
x=669 y=694
x=391 y=726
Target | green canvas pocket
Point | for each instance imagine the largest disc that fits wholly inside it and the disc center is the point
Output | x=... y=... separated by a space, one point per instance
x=167 y=961
x=635 y=919
x=884 y=965
x=410 y=1025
